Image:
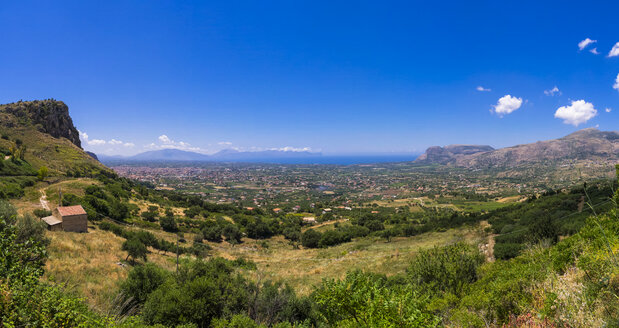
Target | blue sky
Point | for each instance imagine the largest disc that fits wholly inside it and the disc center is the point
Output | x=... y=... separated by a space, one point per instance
x=336 y=77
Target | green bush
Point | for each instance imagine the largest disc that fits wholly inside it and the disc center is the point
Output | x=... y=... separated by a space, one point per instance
x=310 y=238
x=141 y=282
x=365 y=300
x=41 y=213
x=505 y=251
x=448 y=269
x=168 y=223
x=333 y=237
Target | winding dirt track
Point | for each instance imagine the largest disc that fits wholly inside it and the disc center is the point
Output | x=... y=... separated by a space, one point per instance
x=43 y=200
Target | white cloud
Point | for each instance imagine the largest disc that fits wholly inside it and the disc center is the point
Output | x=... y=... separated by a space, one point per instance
x=577 y=113
x=482 y=89
x=163 y=138
x=614 y=51
x=289 y=148
x=96 y=142
x=552 y=91
x=584 y=43
x=507 y=104
x=616 y=85
x=166 y=143
x=100 y=142
x=224 y=143
x=608 y=110
x=594 y=51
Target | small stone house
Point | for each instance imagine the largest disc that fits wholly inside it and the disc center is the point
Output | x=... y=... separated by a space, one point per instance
x=68 y=218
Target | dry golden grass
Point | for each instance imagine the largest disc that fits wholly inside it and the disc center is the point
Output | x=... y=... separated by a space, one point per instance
x=305 y=268
x=511 y=199
x=89 y=264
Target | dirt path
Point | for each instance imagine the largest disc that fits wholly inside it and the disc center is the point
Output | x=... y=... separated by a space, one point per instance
x=324 y=224
x=43 y=200
x=487 y=248
x=490 y=248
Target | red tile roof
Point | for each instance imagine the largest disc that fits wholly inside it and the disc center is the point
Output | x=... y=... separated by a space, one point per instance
x=71 y=210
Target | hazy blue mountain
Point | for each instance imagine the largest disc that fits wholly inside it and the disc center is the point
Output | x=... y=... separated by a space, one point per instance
x=226 y=155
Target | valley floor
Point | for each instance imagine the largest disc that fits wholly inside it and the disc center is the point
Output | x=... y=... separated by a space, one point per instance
x=92 y=264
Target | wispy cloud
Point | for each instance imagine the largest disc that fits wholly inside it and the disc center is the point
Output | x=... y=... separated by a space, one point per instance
x=482 y=89
x=594 y=51
x=292 y=149
x=552 y=91
x=616 y=85
x=100 y=142
x=507 y=104
x=577 y=113
x=608 y=110
x=224 y=143
x=584 y=43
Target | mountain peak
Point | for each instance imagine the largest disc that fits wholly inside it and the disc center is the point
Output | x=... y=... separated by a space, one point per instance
x=588 y=143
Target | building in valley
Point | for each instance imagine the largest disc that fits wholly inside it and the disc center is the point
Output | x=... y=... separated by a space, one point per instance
x=68 y=218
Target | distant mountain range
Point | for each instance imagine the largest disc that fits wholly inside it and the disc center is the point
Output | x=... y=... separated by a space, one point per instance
x=586 y=144
x=226 y=155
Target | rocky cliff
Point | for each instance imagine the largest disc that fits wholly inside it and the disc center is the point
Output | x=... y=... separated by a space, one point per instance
x=587 y=144
x=49 y=116
x=449 y=154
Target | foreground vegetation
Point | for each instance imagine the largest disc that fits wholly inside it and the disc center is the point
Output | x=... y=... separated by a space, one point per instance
x=551 y=283
x=156 y=258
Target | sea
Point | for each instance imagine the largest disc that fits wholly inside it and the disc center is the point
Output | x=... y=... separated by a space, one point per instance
x=341 y=159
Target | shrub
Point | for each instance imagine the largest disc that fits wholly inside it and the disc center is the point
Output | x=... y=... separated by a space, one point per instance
x=505 y=251
x=41 y=213
x=333 y=237
x=311 y=238
x=364 y=300
x=449 y=268
x=168 y=224
x=142 y=280
x=135 y=249
x=232 y=234
x=30 y=228
x=212 y=233
x=42 y=173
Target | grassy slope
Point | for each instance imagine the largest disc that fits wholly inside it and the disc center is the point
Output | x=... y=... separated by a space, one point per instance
x=58 y=154
x=89 y=263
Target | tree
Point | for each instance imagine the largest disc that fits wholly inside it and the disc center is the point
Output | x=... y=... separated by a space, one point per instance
x=135 y=249
x=142 y=281
x=42 y=173
x=232 y=234
x=168 y=223
x=212 y=233
x=310 y=238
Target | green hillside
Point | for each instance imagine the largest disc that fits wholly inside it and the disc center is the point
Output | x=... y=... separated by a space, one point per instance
x=162 y=258
x=27 y=143
x=42 y=144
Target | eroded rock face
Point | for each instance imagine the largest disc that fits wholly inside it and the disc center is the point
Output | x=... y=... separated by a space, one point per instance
x=50 y=116
x=449 y=154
